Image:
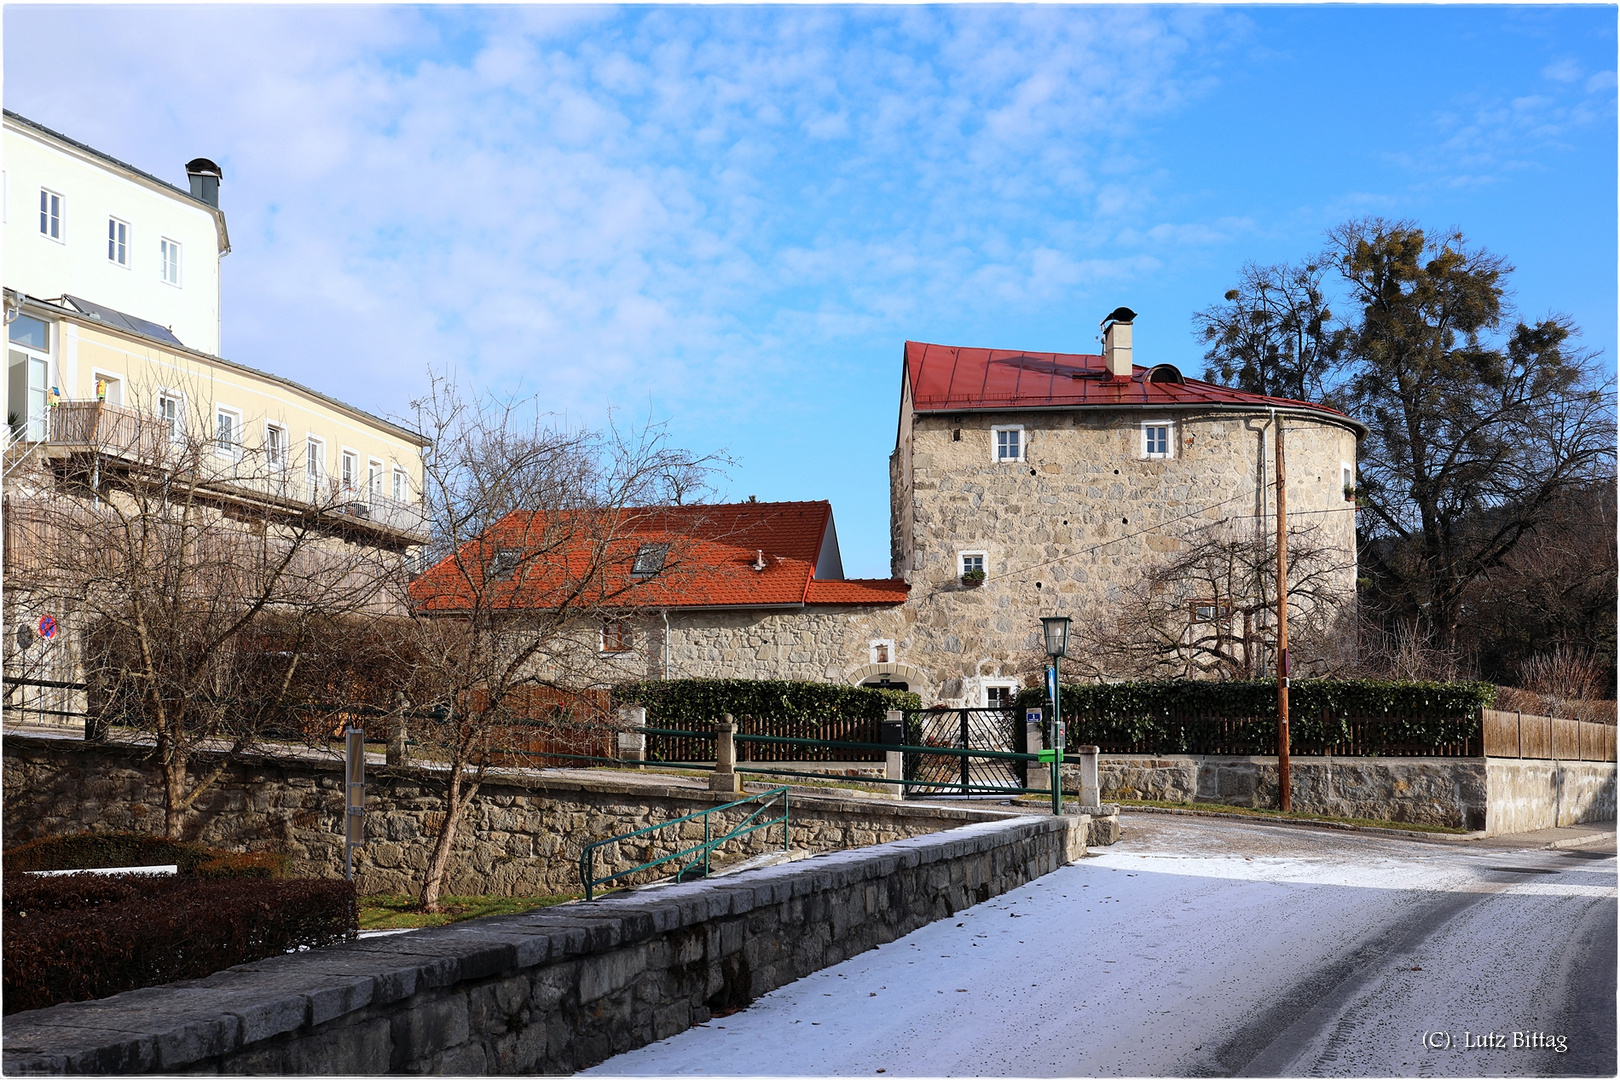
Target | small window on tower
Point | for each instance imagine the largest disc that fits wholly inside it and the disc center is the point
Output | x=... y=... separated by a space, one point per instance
x=1009 y=443
x=1156 y=439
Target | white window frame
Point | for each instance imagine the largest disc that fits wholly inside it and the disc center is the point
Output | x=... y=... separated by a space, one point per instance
x=36 y=395
x=314 y=450
x=401 y=489
x=118 y=243
x=348 y=469
x=995 y=444
x=962 y=558
x=99 y=375
x=169 y=261
x=881 y=651
x=1169 y=440
x=57 y=216
x=177 y=422
x=234 y=449
x=374 y=478
x=625 y=636
x=999 y=684
x=284 y=445
x=1347 y=480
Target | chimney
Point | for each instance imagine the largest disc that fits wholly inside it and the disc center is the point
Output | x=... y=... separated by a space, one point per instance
x=205 y=177
x=759 y=559
x=1117 y=342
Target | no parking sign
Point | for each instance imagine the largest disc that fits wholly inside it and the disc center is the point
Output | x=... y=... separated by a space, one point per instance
x=47 y=627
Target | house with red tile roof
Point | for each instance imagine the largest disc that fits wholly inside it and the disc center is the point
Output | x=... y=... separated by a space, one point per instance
x=740 y=590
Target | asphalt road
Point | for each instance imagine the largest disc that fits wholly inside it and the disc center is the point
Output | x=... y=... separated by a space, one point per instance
x=1199 y=947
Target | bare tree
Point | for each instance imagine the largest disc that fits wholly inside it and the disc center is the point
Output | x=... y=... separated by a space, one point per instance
x=541 y=536
x=1207 y=611
x=198 y=577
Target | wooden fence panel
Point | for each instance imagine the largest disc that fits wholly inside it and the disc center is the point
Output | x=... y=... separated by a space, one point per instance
x=1501 y=733
x=1566 y=740
x=1535 y=736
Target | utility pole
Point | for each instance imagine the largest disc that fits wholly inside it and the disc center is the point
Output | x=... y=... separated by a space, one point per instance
x=1284 y=795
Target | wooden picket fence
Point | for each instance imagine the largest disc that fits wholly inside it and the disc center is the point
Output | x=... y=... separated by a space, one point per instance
x=1520 y=735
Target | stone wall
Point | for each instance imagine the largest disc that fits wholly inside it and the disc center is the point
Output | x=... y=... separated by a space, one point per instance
x=1527 y=795
x=1429 y=791
x=552 y=991
x=1497 y=795
x=521 y=836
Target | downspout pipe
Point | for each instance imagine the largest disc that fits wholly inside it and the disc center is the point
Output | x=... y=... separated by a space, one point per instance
x=665 y=613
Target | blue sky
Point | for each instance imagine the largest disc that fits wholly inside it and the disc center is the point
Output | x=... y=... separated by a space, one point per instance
x=731 y=218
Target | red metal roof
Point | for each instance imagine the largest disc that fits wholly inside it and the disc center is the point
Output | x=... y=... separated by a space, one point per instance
x=710 y=562
x=947 y=378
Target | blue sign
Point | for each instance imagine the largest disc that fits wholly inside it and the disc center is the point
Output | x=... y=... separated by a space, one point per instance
x=1051 y=683
x=47 y=627
x=1032 y=716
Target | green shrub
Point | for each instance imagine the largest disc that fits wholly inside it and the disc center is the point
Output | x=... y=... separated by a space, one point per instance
x=1189 y=716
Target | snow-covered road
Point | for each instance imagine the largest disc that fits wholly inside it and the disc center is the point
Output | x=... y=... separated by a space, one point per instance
x=1201 y=947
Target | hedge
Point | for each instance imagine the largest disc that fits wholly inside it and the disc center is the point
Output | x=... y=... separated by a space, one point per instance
x=83 y=936
x=93 y=850
x=696 y=704
x=1188 y=716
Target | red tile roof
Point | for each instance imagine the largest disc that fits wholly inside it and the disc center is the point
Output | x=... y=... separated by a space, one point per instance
x=868 y=591
x=710 y=563
x=945 y=378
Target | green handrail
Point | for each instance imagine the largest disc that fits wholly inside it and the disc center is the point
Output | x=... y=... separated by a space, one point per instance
x=587 y=856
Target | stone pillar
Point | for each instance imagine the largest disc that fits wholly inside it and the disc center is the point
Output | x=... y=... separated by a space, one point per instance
x=633 y=743
x=1090 y=791
x=1039 y=773
x=725 y=778
x=894 y=761
x=398 y=752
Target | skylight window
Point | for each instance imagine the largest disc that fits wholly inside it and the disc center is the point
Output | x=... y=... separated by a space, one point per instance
x=649 y=560
x=504 y=564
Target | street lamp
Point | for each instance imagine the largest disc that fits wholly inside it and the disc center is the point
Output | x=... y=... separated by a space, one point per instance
x=1055 y=628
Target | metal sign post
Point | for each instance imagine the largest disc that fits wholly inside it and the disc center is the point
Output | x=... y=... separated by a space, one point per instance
x=354 y=803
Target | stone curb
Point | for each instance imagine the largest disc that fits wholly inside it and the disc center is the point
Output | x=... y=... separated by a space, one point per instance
x=1336 y=826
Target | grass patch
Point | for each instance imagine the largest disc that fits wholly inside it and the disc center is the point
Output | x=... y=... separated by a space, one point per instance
x=1292 y=815
x=395 y=911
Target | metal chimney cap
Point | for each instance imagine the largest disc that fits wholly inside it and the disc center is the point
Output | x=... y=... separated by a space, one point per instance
x=1120 y=315
x=203 y=167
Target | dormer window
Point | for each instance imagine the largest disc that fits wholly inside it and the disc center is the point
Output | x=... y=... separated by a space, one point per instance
x=649 y=560
x=504 y=564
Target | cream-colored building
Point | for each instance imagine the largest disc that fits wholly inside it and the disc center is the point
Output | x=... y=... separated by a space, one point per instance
x=114 y=383
x=112 y=318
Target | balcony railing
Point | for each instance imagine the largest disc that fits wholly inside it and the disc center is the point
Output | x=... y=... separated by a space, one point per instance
x=127 y=435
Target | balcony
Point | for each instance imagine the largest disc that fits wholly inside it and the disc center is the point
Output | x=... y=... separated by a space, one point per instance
x=120 y=435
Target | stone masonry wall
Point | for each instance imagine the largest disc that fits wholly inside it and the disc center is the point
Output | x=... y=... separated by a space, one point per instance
x=521 y=836
x=1431 y=791
x=551 y=991
x=1064 y=530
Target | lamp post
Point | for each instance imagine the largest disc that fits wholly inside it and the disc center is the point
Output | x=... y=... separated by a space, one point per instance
x=1055 y=628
